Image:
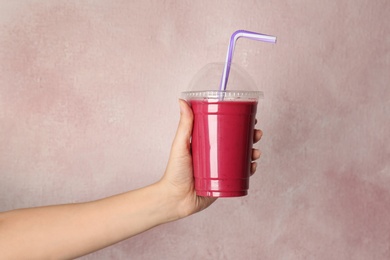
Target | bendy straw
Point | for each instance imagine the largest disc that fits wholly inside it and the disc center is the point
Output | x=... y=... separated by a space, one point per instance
x=235 y=36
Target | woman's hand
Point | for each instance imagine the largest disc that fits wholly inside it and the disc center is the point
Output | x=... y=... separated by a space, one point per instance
x=178 y=179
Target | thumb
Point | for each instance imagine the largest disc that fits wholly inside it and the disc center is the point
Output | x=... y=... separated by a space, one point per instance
x=181 y=143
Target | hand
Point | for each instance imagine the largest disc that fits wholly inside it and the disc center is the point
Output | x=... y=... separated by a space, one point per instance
x=178 y=178
x=256 y=153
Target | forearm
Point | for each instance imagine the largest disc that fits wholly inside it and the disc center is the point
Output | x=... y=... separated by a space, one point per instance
x=68 y=231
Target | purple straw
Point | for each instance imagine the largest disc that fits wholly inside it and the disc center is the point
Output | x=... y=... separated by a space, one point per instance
x=229 y=56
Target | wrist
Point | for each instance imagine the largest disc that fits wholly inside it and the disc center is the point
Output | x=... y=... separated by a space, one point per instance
x=173 y=206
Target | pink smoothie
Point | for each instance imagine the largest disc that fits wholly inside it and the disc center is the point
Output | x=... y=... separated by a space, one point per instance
x=222 y=142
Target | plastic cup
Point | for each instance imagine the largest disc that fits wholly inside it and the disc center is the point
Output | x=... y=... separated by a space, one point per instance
x=222 y=136
x=222 y=140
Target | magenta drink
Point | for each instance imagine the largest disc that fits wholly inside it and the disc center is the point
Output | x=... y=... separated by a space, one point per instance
x=222 y=141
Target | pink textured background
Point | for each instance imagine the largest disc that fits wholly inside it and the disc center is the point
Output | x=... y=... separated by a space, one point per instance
x=88 y=108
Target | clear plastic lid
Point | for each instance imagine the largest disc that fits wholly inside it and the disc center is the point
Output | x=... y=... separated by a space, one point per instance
x=231 y=95
x=205 y=85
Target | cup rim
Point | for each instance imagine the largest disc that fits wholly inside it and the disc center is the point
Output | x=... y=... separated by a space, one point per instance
x=227 y=95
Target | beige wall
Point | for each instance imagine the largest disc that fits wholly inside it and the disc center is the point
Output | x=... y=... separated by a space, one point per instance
x=88 y=108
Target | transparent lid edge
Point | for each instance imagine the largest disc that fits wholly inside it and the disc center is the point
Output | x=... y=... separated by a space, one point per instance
x=229 y=94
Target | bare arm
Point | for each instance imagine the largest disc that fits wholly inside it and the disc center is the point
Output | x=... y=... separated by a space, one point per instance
x=72 y=230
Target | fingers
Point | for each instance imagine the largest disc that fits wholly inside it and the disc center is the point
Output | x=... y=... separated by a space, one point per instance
x=257 y=135
x=253 y=168
x=255 y=154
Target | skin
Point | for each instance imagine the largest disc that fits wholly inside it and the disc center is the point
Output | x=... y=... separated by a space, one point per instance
x=72 y=230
